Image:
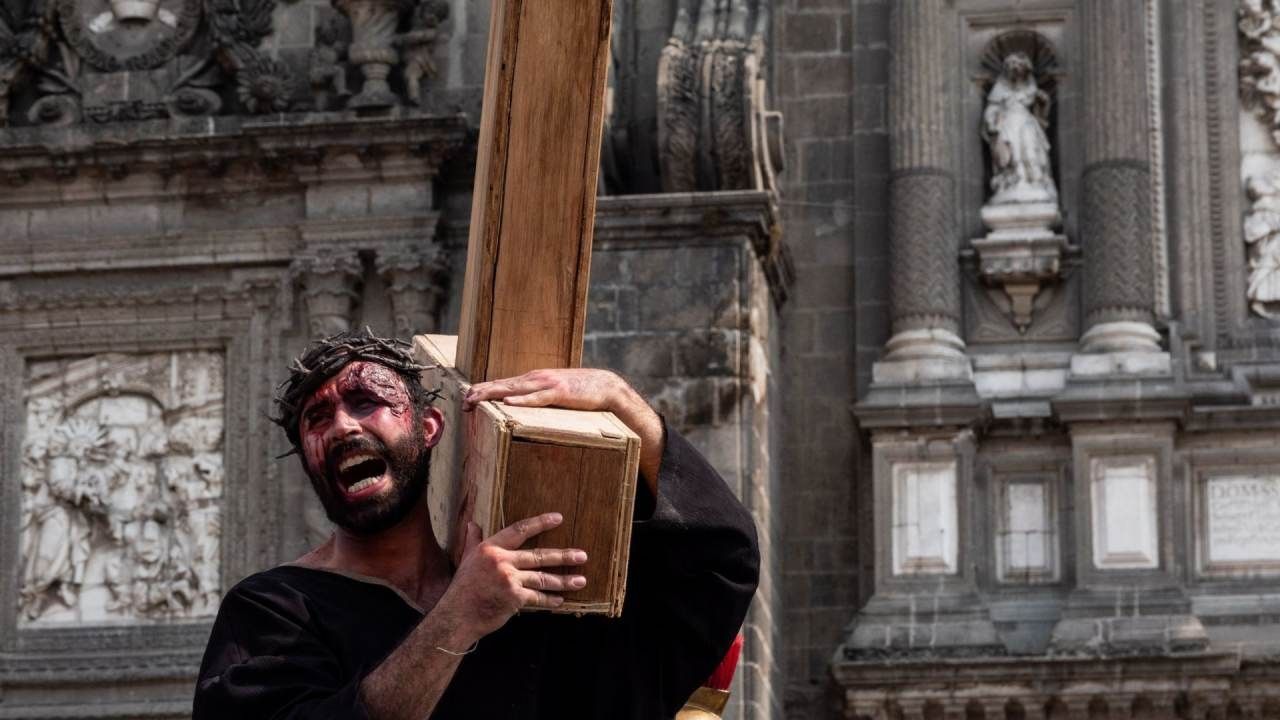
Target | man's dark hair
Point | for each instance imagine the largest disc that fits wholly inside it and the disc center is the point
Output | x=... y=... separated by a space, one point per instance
x=324 y=358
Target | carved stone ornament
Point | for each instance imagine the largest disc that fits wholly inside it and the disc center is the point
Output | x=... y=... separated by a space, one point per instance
x=1021 y=253
x=417 y=283
x=1262 y=234
x=1259 y=23
x=117 y=60
x=715 y=131
x=331 y=285
x=122 y=479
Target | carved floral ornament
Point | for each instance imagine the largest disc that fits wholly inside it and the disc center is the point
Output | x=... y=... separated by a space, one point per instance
x=69 y=61
x=1259 y=24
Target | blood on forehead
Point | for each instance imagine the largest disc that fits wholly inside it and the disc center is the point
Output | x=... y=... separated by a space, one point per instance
x=377 y=380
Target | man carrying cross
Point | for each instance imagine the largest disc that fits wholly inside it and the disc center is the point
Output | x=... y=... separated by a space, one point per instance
x=377 y=623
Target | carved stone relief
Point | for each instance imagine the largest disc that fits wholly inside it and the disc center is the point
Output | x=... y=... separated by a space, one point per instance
x=122 y=482
x=1021 y=253
x=118 y=60
x=1241 y=523
x=1259 y=25
x=715 y=131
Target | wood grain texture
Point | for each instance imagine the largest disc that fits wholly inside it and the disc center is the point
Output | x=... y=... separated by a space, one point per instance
x=533 y=208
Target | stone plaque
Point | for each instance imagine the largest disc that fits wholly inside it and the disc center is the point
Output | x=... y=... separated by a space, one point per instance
x=1125 y=526
x=1242 y=521
x=925 y=528
x=1026 y=546
x=122 y=484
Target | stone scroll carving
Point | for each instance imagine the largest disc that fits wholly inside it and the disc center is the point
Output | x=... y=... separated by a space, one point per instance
x=122 y=482
x=1021 y=252
x=715 y=131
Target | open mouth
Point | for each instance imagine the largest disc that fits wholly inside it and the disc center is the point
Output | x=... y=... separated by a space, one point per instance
x=360 y=472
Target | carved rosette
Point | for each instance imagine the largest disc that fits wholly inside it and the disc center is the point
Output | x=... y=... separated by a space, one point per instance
x=417 y=283
x=331 y=286
x=715 y=131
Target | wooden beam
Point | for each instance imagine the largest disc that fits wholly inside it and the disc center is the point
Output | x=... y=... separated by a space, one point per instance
x=533 y=209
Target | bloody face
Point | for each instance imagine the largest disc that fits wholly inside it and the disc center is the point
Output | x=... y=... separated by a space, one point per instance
x=364 y=448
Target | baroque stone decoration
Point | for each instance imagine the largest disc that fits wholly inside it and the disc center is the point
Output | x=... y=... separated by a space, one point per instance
x=715 y=130
x=122 y=481
x=1259 y=25
x=100 y=61
x=1262 y=235
x=1021 y=253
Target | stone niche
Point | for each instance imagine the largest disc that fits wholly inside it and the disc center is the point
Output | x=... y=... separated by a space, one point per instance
x=122 y=477
x=1125 y=525
x=925 y=527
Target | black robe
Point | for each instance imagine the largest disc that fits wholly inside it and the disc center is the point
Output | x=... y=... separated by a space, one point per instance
x=295 y=642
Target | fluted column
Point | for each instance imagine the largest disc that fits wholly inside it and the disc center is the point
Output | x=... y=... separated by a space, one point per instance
x=1115 y=206
x=924 y=291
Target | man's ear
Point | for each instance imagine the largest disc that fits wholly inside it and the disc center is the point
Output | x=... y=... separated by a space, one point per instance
x=432 y=426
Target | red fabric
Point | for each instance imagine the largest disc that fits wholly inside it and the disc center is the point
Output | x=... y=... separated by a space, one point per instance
x=723 y=675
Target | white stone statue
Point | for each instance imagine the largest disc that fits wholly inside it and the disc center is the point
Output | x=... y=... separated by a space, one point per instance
x=1013 y=124
x=1262 y=233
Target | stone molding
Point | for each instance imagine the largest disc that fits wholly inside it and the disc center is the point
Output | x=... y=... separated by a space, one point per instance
x=275 y=146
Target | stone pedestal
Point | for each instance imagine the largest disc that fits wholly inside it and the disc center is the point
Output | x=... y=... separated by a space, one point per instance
x=1021 y=253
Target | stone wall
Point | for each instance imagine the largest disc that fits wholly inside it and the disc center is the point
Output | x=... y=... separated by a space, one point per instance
x=825 y=56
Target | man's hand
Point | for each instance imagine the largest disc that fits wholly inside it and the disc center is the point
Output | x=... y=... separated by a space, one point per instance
x=582 y=389
x=496 y=578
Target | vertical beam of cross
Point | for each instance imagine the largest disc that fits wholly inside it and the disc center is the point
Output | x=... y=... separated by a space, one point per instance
x=533 y=209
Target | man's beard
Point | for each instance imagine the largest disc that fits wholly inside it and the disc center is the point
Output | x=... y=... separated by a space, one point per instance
x=408 y=463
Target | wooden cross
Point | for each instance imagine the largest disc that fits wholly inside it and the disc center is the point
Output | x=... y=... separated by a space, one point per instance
x=524 y=302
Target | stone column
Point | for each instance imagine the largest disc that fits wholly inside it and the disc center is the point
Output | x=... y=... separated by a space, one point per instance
x=924 y=290
x=1115 y=208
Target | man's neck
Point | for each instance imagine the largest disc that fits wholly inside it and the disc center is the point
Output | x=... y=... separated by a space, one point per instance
x=405 y=555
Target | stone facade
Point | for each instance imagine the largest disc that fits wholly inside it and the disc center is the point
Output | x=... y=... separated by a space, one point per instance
x=984 y=335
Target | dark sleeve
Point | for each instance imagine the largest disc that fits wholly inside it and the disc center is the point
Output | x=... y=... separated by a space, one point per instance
x=695 y=566
x=263 y=662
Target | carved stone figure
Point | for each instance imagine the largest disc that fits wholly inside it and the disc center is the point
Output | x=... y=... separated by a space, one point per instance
x=419 y=43
x=714 y=129
x=1262 y=233
x=1021 y=252
x=373 y=27
x=327 y=68
x=122 y=483
x=1013 y=124
x=1260 y=59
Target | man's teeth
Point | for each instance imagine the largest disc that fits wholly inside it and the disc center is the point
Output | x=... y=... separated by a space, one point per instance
x=357 y=487
x=354 y=460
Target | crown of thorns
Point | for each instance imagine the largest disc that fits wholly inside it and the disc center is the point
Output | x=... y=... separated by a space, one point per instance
x=324 y=358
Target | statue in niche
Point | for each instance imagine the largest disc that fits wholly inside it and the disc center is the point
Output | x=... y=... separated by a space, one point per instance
x=1262 y=233
x=1013 y=124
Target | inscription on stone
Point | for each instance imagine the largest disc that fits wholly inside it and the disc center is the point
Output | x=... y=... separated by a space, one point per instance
x=1242 y=519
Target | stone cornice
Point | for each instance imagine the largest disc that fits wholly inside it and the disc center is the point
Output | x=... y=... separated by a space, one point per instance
x=275 y=143
x=682 y=217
